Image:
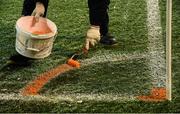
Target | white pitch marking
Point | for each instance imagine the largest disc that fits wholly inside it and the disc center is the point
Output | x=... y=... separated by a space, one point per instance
x=156 y=47
x=112 y=58
x=68 y=97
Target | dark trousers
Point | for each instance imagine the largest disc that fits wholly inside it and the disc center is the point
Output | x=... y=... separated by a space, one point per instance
x=98 y=12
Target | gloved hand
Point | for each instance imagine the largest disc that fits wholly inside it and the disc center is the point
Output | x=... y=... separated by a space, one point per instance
x=38 y=11
x=92 y=37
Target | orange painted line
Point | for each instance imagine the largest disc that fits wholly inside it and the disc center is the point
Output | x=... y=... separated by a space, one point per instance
x=156 y=95
x=33 y=87
x=73 y=63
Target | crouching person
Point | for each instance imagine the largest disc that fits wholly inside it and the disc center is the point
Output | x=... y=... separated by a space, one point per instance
x=98 y=16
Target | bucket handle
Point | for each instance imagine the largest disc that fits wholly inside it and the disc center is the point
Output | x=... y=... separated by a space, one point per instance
x=33 y=49
x=36 y=36
x=37 y=50
x=30 y=48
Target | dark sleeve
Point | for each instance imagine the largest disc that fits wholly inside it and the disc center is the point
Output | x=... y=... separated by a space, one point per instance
x=29 y=6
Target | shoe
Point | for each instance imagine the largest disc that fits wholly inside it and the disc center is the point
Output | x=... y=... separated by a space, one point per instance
x=108 y=40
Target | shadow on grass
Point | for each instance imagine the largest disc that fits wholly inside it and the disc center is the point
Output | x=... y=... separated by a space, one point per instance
x=15 y=62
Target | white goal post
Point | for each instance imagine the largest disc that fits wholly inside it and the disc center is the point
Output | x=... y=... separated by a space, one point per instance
x=169 y=49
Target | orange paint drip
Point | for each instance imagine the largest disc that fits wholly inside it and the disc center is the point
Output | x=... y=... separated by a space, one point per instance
x=34 y=87
x=156 y=95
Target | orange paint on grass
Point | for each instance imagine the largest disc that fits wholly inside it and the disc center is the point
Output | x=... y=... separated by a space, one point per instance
x=34 y=87
x=156 y=95
x=73 y=63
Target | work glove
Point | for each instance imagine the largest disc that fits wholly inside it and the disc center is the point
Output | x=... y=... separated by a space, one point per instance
x=38 y=11
x=92 y=37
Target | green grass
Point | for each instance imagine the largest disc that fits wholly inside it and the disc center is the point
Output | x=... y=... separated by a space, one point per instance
x=127 y=23
x=176 y=51
x=93 y=79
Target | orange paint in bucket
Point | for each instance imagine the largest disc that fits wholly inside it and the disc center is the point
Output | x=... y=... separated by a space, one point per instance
x=29 y=24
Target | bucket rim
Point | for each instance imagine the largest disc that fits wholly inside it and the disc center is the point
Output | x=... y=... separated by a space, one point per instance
x=39 y=36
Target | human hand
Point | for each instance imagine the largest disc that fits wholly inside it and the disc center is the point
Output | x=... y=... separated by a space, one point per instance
x=92 y=37
x=38 y=11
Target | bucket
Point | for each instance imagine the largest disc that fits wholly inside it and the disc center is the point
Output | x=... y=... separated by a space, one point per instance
x=35 y=39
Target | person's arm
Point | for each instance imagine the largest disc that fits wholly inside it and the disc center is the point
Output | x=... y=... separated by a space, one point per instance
x=45 y=4
x=40 y=9
x=30 y=5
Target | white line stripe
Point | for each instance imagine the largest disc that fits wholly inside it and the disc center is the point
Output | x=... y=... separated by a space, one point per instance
x=156 y=47
x=79 y=98
x=104 y=57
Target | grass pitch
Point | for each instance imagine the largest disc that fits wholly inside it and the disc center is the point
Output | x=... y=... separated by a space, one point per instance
x=128 y=22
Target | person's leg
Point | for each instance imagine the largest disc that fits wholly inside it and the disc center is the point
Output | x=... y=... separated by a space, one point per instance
x=98 y=14
x=29 y=6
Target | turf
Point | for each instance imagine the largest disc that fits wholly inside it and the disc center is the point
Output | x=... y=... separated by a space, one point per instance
x=128 y=24
x=71 y=37
x=133 y=81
